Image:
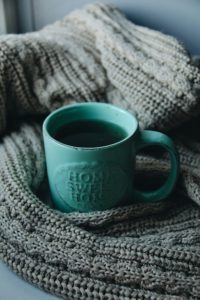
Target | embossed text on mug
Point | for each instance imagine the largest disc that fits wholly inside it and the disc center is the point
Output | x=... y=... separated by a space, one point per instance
x=87 y=184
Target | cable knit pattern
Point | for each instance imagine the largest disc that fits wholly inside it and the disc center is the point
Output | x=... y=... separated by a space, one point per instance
x=138 y=251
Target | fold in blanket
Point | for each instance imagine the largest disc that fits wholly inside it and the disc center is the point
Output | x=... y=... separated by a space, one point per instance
x=140 y=251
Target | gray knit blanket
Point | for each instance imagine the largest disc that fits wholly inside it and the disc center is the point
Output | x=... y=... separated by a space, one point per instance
x=138 y=251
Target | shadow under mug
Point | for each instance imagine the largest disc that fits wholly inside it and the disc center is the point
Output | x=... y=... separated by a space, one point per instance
x=88 y=179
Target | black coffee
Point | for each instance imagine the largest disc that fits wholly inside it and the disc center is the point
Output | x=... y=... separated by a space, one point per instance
x=89 y=134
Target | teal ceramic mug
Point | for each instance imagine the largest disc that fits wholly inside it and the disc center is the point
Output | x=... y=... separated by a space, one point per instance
x=98 y=177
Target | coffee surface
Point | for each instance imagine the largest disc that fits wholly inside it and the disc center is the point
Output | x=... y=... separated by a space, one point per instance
x=90 y=133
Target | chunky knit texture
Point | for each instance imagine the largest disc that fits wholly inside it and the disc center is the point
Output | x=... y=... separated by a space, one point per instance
x=139 y=251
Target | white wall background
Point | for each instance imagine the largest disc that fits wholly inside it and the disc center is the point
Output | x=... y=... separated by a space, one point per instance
x=2 y=18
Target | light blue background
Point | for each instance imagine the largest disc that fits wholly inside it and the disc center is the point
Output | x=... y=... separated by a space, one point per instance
x=12 y=287
x=180 y=18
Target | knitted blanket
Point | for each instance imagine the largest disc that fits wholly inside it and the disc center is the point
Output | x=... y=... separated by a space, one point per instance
x=138 y=251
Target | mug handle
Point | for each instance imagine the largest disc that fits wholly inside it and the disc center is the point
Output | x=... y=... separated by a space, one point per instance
x=149 y=138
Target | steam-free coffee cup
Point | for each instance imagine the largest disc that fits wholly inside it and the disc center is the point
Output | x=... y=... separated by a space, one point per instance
x=91 y=151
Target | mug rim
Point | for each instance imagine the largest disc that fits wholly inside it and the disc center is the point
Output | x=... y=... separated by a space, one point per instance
x=89 y=104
